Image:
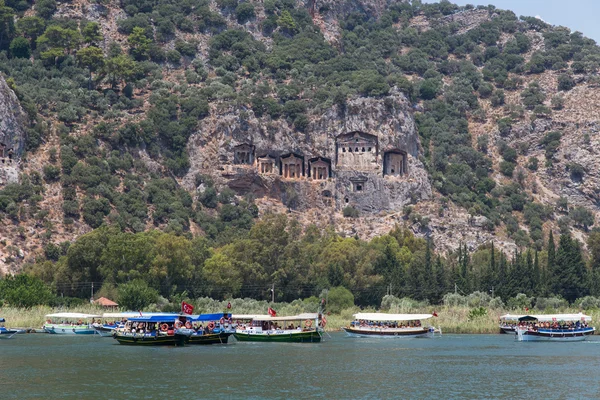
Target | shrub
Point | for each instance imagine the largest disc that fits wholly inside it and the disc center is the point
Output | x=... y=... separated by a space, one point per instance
x=507 y=168
x=51 y=173
x=338 y=299
x=244 y=12
x=350 y=212
x=565 y=82
x=136 y=295
x=520 y=302
x=532 y=164
x=577 y=171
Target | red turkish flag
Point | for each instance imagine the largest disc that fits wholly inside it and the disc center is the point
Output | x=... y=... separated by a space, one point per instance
x=228 y=305
x=187 y=308
x=434 y=314
x=272 y=312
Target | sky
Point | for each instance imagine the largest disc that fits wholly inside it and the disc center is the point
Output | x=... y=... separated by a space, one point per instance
x=578 y=15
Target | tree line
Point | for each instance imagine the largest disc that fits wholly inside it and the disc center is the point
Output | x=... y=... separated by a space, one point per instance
x=299 y=263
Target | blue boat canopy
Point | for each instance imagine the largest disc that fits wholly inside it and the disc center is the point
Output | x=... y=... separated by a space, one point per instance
x=2 y=320
x=208 y=317
x=156 y=318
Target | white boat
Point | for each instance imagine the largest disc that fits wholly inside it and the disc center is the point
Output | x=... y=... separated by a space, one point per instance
x=7 y=333
x=70 y=323
x=381 y=325
x=554 y=328
x=508 y=323
x=302 y=328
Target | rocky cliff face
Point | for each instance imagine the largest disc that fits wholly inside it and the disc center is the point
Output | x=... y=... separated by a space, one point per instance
x=364 y=155
x=12 y=133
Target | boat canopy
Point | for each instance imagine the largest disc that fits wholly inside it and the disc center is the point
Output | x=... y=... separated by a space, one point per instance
x=556 y=317
x=509 y=317
x=208 y=317
x=156 y=318
x=72 y=315
x=133 y=314
x=391 y=317
x=2 y=320
x=276 y=318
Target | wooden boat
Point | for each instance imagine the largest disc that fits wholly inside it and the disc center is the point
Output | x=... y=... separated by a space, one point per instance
x=70 y=324
x=381 y=325
x=508 y=323
x=554 y=328
x=154 y=330
x=302 y=328
x=206 y=328
x=6 y=333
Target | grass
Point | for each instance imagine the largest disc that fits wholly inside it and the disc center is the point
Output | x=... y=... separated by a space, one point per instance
x=449 y=319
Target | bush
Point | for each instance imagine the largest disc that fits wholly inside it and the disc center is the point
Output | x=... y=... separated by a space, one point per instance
x=476 y=313
x=51 y=173
x=565 y=82
x=136 y=295
x=24 y=291
x=507 y=168
x=550 y=303
x=338 y=299
x=520 y=302
x=350 y=212
x=244 y=12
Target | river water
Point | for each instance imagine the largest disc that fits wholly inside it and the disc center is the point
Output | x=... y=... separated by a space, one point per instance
x=39 y=366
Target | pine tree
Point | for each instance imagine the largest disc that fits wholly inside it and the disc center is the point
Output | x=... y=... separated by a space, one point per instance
x=502 y=277
x=536 y=276
x=428 y=276
x=440 y=280
x=550 y=272
x=569 y=279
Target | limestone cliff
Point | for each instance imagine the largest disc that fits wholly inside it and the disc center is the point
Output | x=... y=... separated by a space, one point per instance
x=364 y=154
x=12 y=133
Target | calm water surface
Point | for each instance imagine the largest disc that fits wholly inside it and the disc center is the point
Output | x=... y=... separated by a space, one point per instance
x=453 y=366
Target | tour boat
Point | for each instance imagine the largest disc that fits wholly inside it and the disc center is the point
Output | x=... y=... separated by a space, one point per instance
x=114 y=320
x=217 y=330
x=6 y=333
x=554 y=328
x=508 y=323
x=302 y=328
x=383 y=325
x=70 y=324
x=153 y=330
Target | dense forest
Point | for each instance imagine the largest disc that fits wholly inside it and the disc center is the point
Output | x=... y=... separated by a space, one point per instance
x=104 y=95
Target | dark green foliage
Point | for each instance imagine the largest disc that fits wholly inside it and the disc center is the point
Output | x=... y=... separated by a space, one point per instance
x=551 y=142
x=51 y=173
x=136 y=295
x=24 y=291
x=244 y=12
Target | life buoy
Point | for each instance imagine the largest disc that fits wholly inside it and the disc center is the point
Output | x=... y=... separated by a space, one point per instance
x=211 y=325
x=164 y=327
x=188 y=325
x=308 y=323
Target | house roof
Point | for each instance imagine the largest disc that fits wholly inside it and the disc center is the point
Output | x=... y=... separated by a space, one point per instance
x=104 y=302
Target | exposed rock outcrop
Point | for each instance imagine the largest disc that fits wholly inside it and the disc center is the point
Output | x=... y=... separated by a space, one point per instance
x=352 y=146
x=13 y=121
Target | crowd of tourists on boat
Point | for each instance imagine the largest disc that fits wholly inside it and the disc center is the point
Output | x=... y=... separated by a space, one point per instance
x=555 y=325
x=385 y=324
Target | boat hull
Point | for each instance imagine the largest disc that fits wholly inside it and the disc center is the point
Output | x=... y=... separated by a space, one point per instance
x=146 y=340
x=60 y=329
x=105 y=331
x=548 y=335
x=8 y=333
x=211 y=338
x=285 y=337
x=507 y=329
x=389 y=333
